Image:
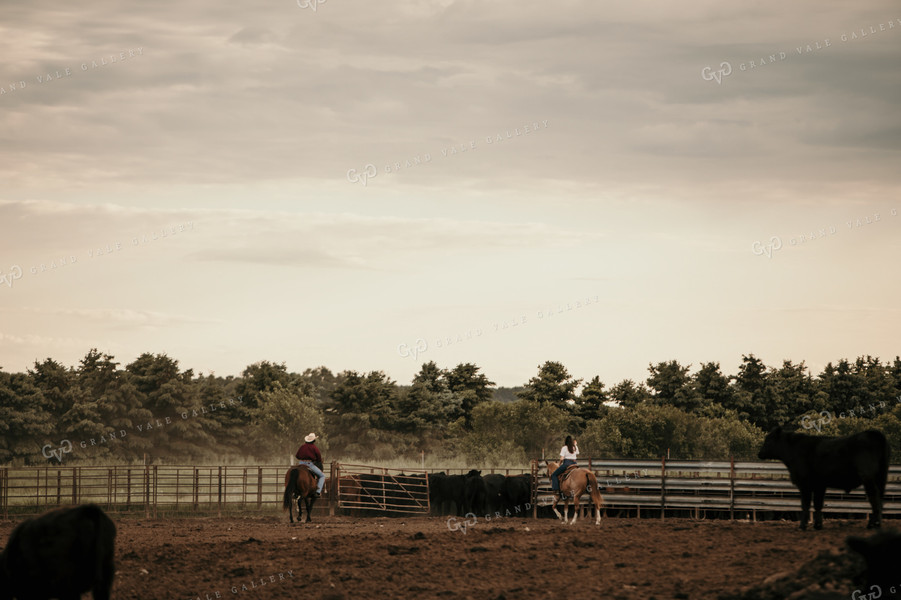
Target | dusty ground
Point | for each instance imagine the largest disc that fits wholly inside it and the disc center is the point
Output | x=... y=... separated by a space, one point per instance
x=343 y=557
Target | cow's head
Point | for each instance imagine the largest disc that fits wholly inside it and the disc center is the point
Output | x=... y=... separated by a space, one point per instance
x=882 y=553
x=474 y=473
x=772 y=444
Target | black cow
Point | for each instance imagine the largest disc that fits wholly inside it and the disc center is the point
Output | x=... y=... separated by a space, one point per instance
x=437 y=492
x=475 y=493
x=446 y=493
x=818 y=462
x=60 y=554
x=517 y=492
x=882 y=552
x=494 y=486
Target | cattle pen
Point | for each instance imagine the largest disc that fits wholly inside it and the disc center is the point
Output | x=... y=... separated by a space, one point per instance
x=639 y=488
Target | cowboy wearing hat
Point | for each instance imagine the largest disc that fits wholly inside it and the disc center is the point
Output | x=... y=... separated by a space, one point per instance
x=308 y=454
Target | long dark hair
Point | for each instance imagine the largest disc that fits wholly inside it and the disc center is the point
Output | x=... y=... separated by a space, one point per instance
x=569 y=443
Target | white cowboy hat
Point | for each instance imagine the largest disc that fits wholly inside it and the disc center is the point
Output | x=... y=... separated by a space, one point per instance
x=310 y=437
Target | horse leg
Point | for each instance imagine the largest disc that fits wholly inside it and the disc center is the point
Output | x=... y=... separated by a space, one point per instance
x=556 y=512
x=597 y=508
x=309 y=502
x=575 y=508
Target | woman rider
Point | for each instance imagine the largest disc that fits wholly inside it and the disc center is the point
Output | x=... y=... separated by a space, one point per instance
x=568 y=454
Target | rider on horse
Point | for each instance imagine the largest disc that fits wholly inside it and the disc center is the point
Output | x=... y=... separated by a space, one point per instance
x=568 y=454
x=308 y=454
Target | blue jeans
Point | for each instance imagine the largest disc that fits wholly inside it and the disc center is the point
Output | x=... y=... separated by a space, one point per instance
x=555 y=476
x=319 y=482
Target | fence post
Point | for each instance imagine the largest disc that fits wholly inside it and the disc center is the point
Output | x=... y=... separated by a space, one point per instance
x=662 y=487
x=731 y=488
x=75 y=482
x=332 y=489
x=220 y=491
x=146 y=490
x=59 y=486
x=196 y=490
x=4 y=491
x=534 y=487
x=128 y=492
x=259 y=487
x=156 y=486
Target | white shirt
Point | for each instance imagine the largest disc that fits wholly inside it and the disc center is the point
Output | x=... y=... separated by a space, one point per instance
x=566 y=454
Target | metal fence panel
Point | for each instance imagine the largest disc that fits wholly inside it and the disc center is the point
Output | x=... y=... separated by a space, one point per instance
x=382 y=490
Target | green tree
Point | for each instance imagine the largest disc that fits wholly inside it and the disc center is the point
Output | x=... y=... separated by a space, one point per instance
x=362 y=414
x=258 y=378
x=646 y=431
x=843 y=388
x=57 y=384
x=794 y=387
x=756 y=398
x=506 y=433
x=628 y=395
x=714 y=390
x=472 y=387
x=428 y=406
x=282 y=421
x=672 y=386
x=553 y=386
x=25 y=421
x=591 y=402
x=180 y=424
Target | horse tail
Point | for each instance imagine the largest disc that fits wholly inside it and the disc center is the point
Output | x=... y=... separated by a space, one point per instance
x=595 y=491
x=289 y=489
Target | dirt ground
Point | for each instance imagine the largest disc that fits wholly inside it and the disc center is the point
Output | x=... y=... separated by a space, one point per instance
x=507 y=558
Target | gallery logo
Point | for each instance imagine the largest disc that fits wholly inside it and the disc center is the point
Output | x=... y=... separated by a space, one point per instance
x=369 y=172
x=708 y=74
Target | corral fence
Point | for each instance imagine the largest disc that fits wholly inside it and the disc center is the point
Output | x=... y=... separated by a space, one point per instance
x=652 y=487
x=362 y=489
x=146 y=489
x=695 y=487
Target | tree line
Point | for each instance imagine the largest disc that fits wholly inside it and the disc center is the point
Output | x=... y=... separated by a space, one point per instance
x=102 y=413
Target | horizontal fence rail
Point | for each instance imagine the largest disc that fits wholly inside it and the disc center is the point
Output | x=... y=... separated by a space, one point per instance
x=695 y=485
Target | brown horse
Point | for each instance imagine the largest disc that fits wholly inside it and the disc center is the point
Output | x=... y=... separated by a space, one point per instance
x=300 y=484
x=574 y=486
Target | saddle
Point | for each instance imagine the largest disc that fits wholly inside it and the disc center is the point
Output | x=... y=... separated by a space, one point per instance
x=309 y=470
x=568 y=472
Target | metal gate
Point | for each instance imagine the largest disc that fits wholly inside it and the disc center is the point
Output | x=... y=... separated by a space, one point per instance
x=364 y=489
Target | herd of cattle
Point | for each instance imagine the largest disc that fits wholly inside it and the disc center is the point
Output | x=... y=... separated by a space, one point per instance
x=490 y=495
x=70 y=551
x=372 y=493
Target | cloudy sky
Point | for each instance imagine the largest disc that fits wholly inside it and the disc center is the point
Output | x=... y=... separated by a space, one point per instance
x=369 y=185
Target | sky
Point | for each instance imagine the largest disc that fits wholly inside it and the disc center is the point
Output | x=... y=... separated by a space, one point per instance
x=370 y=186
